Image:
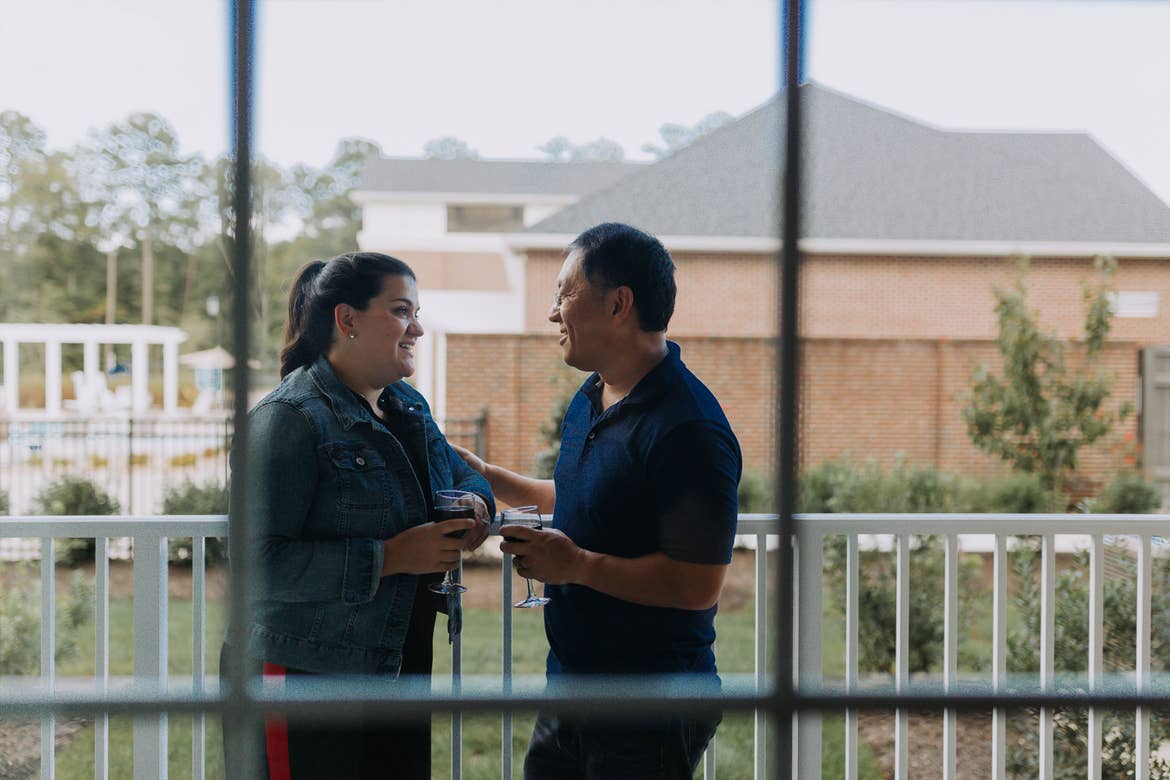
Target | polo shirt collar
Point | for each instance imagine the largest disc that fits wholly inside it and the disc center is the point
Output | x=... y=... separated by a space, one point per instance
x=650 y=387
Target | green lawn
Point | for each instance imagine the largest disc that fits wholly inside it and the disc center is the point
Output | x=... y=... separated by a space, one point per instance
x=481 y=734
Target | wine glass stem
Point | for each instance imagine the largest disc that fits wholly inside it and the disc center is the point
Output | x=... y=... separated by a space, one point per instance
x=531 y=595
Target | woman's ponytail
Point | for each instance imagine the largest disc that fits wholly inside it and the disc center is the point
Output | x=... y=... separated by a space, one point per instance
x=302 y=345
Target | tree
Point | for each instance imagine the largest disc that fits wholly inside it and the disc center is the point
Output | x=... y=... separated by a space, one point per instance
x=675 y=136
x=561 y=149
x=1040 y=413
x=150 y=185
x=448 y=147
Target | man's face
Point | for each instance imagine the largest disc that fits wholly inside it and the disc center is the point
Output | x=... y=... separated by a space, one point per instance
x=579 y=309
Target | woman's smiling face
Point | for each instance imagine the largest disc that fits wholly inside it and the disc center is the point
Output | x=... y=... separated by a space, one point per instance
x=387 y=330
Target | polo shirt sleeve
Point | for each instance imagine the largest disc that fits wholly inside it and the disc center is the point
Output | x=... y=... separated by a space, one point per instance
x=695 y=470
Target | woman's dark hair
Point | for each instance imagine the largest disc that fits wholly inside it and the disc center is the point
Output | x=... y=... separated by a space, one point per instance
x=353 y=278
x=617 y=255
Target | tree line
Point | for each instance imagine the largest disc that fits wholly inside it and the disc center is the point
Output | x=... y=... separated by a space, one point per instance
x=125 y=226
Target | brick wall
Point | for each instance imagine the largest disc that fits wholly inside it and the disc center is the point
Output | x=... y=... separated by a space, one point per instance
x=890 y=346
x=878 y=297
x=864 y=399
x=520 y=377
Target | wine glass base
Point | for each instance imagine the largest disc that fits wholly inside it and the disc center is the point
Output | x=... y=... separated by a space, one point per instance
x=448 y=588
x=531 y=602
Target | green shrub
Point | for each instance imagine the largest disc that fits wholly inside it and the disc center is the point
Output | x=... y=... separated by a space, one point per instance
x=71 y=495
x=1013 y=494
x=20 y=622
x=3 y=503
x=192 y=499
x=1127 y=493
x=840 y=486
x=755 y=494
x=1071 y=640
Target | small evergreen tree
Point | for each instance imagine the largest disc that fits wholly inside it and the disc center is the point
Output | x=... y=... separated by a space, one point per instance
x=1039 y=413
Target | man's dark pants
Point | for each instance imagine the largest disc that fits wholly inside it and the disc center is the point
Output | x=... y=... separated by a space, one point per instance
x=568 y=749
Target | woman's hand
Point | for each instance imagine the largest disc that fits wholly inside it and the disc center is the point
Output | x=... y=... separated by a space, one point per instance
x=476 y=536
x=470 y=458
x=428 y=548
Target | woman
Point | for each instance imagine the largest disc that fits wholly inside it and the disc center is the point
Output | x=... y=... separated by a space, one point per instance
x=343 y=461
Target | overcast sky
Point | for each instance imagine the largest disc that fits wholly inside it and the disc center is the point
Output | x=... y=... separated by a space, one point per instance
x=506 y=76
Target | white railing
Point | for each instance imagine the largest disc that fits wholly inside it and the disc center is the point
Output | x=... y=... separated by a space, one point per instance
x=150 y=619
x=814 y=529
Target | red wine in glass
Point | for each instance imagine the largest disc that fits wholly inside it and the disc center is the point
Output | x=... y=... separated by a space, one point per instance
x=450 y=505
x=442 y=513
x=527 y=516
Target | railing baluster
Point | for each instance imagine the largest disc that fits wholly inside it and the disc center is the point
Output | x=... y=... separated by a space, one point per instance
x=456 y=716
x=950 y=650
x=506 y=737
x=1142 y=667
x=902 y=656
x=1047 y=649
x=198 y=651
x=1096 y=638
x=759 y=742
x=48 y=656
x=852 y=588
x=810 y=584
x=101 y=739
x=150 y=652
x=999 y=655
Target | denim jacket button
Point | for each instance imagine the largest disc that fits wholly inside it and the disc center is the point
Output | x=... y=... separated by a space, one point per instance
x=360 y=461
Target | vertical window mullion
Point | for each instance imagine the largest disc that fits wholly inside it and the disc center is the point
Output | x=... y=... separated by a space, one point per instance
x=783 y=705
x=241 y=711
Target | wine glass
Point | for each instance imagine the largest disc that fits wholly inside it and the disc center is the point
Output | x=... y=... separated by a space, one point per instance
x=449 y=505
x=530 y=517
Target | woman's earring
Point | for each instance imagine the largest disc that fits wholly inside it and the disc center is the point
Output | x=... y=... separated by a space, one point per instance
x=353 y=335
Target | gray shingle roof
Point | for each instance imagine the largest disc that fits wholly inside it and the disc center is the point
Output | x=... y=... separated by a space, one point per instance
x=874 y=174
x=491 y=177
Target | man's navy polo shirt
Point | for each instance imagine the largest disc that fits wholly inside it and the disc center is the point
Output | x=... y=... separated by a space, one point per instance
x=656 y=472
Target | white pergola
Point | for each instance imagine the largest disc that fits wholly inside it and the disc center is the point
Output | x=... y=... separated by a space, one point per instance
x=91 y=337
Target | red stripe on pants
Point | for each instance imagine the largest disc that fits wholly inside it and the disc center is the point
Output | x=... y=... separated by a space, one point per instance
x=276 y=732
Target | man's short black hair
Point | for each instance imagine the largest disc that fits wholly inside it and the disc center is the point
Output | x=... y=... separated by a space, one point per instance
x=617 y=255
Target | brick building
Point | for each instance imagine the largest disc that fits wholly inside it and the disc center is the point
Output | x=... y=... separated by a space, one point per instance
x=909 y=229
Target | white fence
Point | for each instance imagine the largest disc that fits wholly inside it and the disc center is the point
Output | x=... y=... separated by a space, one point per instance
x=150 y=617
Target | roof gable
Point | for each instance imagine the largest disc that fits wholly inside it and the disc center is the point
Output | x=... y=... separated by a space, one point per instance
x=874 y=174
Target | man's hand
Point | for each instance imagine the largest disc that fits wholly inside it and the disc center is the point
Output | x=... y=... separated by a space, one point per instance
x=546 y=555
x=476 y=536
x=426 y=548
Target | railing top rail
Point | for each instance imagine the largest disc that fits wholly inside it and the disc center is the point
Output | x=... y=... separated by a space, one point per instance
x=843 y=523
x=83 y=526
x=973 y=523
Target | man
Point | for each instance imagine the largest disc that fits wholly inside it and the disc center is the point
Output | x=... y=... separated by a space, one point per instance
x=644 y=502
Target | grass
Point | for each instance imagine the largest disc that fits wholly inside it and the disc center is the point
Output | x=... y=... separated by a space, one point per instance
x=481 y=734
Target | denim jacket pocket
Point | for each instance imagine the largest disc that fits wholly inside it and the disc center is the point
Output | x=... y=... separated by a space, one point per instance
x=364 y=491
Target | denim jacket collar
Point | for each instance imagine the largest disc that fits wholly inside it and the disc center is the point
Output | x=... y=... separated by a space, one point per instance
x=346 y=407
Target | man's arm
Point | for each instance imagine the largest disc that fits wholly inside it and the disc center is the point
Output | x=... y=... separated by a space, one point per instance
x=508 y=486
x=654 y=580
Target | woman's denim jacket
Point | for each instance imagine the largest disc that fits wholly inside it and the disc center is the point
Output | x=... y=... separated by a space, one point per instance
x=326 y=486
